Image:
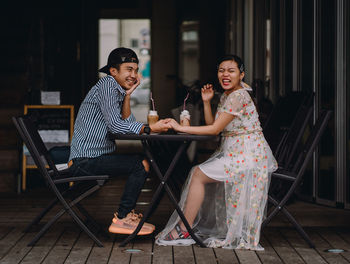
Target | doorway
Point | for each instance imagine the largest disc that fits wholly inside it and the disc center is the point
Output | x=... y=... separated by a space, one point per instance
x=134 y=34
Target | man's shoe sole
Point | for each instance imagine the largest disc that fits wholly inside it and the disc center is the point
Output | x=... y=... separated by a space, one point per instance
x=119 y=230
x=145 y=225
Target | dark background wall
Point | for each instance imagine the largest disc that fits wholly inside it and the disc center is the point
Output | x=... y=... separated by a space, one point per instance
x=53 y=46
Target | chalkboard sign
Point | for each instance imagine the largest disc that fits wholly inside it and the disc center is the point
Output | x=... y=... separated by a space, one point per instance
x=55 y=126
x=54 y=123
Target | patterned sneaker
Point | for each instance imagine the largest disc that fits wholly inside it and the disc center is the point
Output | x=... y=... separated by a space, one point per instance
x=128 y=224
x=183 y=239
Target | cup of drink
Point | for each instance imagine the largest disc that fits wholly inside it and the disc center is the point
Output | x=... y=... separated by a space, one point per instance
x=152 y=117
x=185 y=118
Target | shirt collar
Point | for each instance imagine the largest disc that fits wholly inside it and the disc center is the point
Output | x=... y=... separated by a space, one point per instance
x=119 y=88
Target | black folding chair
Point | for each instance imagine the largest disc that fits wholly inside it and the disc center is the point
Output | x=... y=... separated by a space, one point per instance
x=292 y=177
x=283 y=115
x=68 y=196
x=290 y=140
x=291 y=136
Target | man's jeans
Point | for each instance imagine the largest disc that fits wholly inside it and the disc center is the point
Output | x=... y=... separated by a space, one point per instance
x=114 y=165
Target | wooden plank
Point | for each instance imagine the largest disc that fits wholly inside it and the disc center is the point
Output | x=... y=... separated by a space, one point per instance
x=64 y=245
x=308 y=254
x=18 y=251
x=269 y=255
x=145 y=256
x=118 y=254
x=80 y=250
x=162 y=254
x=335 y=241
x=281 y=246
x=247 y=256
x=183 y=255
x=7 y=242
x=100 y=254
x=321 y=245
x=204 y=255
x=43 y=246
x=4 y=230
x=225 y=256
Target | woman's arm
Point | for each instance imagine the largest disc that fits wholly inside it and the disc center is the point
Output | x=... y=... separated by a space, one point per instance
x=219 y=124
x=208 y=114
x=207 y=95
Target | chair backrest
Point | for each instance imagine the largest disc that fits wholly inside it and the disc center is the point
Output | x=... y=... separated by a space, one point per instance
x=36 y=146
x=282 y=116
x=294 y=134
x=304 y=156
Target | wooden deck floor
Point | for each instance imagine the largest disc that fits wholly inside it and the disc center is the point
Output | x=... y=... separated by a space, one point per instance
x=65 y=243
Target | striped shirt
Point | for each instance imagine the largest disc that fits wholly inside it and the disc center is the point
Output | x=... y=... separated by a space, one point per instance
x=100 y=113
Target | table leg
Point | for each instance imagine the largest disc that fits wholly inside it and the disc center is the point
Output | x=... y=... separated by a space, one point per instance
x=163 y=184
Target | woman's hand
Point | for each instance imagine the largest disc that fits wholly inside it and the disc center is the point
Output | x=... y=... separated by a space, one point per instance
x=207 y=92
x=160 y=126
x=174 y=125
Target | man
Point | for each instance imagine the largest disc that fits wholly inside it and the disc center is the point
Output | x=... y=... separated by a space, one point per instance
x=106 y=108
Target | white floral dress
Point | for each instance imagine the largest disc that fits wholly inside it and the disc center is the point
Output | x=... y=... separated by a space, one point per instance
x=233 y=209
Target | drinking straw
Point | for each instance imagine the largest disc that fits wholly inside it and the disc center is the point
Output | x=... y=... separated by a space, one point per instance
x=152 y=102
x=188 y=94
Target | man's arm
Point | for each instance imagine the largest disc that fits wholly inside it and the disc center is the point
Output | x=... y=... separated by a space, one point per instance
x=110 y=102
x=126 y=110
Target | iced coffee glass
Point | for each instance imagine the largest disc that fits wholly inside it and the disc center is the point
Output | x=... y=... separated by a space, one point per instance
x=152 y=117
x=185 y=118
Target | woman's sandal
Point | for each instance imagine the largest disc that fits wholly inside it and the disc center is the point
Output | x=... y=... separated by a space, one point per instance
x=181 y=234
x=183 y=238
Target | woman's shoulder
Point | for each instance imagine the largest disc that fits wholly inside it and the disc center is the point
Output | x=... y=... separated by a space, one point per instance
x=239 y=94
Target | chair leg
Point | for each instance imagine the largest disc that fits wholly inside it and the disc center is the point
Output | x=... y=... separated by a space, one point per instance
x=46 y=227
x=278 y=208
x=37 y=219
x=300 y=230
x=91 y=220
x=73 y=215
x=272 y=213
x=85 y=228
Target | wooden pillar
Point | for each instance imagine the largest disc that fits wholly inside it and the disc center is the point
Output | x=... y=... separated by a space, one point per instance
x=164 y=50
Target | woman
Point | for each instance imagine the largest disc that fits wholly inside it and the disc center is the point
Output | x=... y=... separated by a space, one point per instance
x=224 y=198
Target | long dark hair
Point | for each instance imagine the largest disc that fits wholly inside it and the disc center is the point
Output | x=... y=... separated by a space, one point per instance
x=235 y=58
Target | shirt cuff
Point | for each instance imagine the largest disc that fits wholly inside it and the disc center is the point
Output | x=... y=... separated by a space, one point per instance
x=135 y=127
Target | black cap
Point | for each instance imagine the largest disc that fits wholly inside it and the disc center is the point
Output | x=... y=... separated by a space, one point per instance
x=119 y=56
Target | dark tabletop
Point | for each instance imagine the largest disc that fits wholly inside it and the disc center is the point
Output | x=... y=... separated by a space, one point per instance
x=161 y=136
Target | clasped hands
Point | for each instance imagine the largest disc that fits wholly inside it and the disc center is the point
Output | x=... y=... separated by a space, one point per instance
x=164 y=125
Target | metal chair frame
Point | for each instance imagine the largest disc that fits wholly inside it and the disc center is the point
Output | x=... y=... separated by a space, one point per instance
x=294 y=175
x=70 y=197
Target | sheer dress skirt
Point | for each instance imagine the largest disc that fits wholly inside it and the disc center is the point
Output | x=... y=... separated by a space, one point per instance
x=233 y=209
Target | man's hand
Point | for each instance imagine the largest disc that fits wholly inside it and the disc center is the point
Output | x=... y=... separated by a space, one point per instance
x=207 y=92
x=137 y=82
x=161 y=126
